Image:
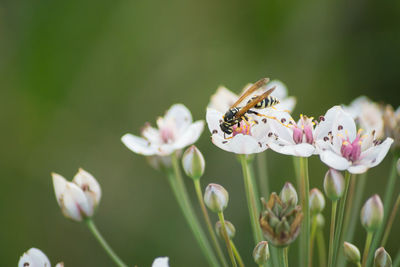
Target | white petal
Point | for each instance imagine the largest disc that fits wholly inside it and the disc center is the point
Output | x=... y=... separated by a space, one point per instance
x=160 y=262
x=151 y=134
x=287 y=104
x=180 y=115
x=299 y=150
x=280 y=91
x=89 y=185
x=222 y=100
x=74 y=203
x=347 y=125
x=240 y=144
x=190 y=136
x=355 y=107
x=139 y=145
x=334 y=161
x=59 y=184
x=357 y=169
x=213 y=118
x=35 y=258
x=374 y=155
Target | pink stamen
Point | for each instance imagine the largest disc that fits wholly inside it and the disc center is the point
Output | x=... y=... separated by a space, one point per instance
x=244 y=128
x=352 y=150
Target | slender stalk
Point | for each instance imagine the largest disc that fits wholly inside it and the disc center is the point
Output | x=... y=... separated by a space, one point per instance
x=281 y=257
x=313 y=232
x=358 y=264
x=305 y=189
x=237 y=254
x=263 y=178
x=386 y=205
x=286 y=251
x=93 y=229
x=350 y=221
x=342 y=206
x=321 y=248
x=178 y=187
x=296 y=165
x=390 y=221
x=226 y=238
x=332 y=233
x=251 y=201
x=210 y=228
x=366 y=248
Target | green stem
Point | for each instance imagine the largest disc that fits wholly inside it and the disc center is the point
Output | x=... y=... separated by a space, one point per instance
x=386 y=205
x=358 y=264
x=214 y=239
x=263 y=173
x=251 y=200
x=366 y=249
x=226 y=238
x=342 y=207
x=178 y=187
x=237 y=254
x=93 y=229
x=281 y=257
x=396 y=262
x=313 y=232
x=305 y=189
x=390 y=221
x=286 y=251
x=296 y=165
x=332 y=234
x=321 y=248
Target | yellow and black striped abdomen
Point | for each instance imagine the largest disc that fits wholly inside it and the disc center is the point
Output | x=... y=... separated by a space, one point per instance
x=269 y=101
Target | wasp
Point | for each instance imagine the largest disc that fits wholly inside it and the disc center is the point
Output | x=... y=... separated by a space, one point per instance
x=237 y=114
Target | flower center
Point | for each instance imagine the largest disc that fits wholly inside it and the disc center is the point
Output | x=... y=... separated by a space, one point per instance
x=167 y=132
x=304 y=128
x=352 y=150
x=244 y=128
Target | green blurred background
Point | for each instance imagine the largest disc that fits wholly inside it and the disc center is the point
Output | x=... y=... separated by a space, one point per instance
x=76 y=75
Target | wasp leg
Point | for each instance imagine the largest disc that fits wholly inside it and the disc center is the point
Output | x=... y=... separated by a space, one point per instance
x=269 y=117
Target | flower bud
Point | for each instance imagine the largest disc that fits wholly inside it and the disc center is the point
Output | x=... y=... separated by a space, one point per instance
x=216 y=197
x=79 y=198
x=279 y=222
x=230 y=229
x=261 y=253
x=288 y=195
x=60 y=264
x=398 y=167
x=320 y=221
x=33 y=257
x=351 y=253
x=193 y=162
x=372 y=213
x=317 y=201
x=334 y=184
x=382 y=258
x=160 y=262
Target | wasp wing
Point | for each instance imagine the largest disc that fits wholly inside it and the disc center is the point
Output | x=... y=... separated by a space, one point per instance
x=253 y=102
x=252 y=88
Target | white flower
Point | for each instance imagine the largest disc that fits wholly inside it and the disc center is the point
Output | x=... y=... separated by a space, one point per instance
x=160 y=262
x=79 y=198
x=367 y=114
x=223 y=99
x=343 y=148
x=175 y=131
x=35 y=258
x=287 y=137
x=246 y=139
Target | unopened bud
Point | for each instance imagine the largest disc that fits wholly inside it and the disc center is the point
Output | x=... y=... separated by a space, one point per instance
x=160 y=262
x=382 y=258
x=398 y=167
x=320 y=221
x=230 y=229
x=351 y=253
x=288 y=195
x=372 y=213
x=60 y=264
x=193 y=162
x=33 y=257
x=216 y=197
x=317 y=201
x=334 y=184
x=261 y=253
x=89 y=186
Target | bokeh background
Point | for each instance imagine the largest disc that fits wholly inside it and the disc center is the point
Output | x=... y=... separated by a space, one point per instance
x=76 y=75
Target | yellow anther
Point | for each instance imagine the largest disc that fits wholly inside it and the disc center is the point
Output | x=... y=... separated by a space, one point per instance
x=345 y=143
x=359 y=131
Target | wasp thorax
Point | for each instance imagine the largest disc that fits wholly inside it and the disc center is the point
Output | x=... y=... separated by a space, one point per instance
x=280 y=222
